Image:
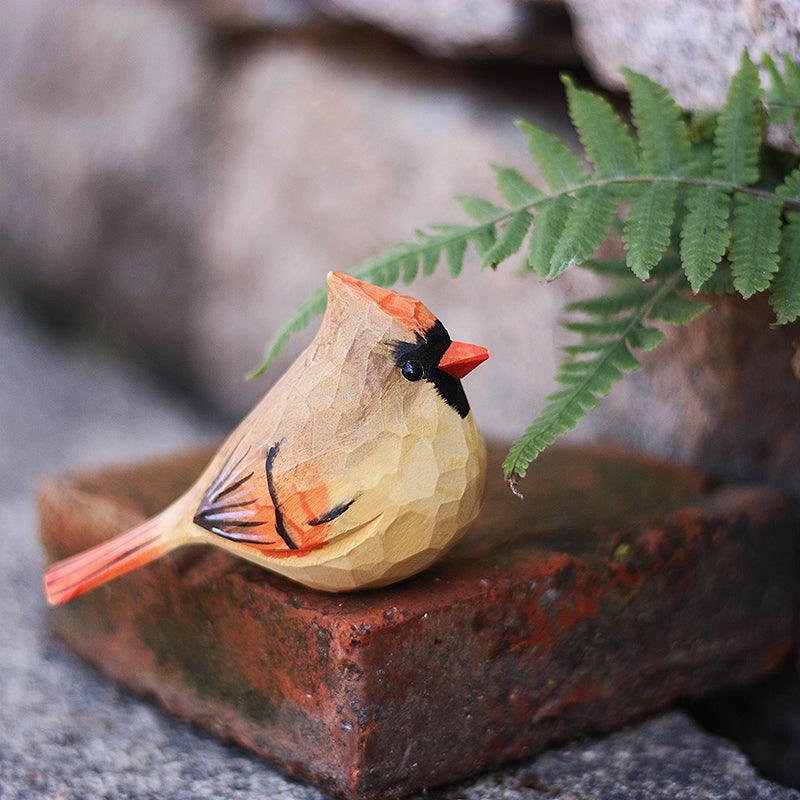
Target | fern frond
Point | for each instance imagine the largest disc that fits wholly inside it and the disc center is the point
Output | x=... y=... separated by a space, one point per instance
x=705 y=233
x=678 y=310
x=477 y=207
x=559 y=166
x=513 y=188
x=454 y=250
x=785 y=299
x=410 y=268
x=604 y=136
x=608 y=268
x=738 y=135
x=510 y=239
x=663 y=136
x=483 y=239
x=547 y=230
x=680 y=182
x=586 y=227
x=595 y=366
x=647 y=229
x=754 y=244
x=615 y=302
x=302 y=317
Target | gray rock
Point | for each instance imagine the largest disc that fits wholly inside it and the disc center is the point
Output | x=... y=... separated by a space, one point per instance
x=665 y=758
x=720 y=393
x=102 y=105
x=279 y=15
x=533 y=30
x=691 y=46
x=181 y=200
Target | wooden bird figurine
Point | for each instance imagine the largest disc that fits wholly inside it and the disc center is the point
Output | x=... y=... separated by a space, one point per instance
x=360 y=466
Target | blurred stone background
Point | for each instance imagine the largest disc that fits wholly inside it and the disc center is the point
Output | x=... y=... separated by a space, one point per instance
x=176 y=175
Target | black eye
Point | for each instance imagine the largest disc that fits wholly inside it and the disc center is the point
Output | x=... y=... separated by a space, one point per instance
x=412 y=370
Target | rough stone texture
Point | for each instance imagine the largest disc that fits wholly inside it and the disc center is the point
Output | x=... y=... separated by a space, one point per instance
x=100 y=151
x=532 y=30
x=181 y=197
x=691 y=46
x=68 y=733
x=764 y=720
x=194 y=196
x=663 y=759
x=720 y=393
x=244 y=15
x=531 y=630
x=535 y=30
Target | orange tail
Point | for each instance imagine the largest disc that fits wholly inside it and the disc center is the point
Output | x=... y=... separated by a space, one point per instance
x=78 y=574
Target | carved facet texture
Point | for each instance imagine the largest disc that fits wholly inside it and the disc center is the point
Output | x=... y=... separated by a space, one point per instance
x=360 y=466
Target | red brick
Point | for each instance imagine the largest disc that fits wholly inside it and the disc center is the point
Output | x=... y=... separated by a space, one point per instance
x=618 y=586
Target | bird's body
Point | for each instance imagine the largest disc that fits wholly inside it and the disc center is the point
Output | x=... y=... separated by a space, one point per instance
x=359 y=467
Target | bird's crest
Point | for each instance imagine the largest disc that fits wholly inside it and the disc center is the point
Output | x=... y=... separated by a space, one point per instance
x=408 y=311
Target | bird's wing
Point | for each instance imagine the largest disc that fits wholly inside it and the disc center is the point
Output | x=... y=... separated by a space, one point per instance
x=245 y=504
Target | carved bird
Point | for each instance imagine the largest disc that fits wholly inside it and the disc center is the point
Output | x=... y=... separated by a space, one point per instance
x=359 y=467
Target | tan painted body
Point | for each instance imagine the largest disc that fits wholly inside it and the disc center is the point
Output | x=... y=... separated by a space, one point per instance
x=341 y=429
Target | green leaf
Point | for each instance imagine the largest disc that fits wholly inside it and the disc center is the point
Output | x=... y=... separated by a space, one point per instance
x=785 y=298
x=778 y=96
x=514 y=189
x=602 y=327
x=754 y=243
x=509 y=240
x=454 y=250
x=644 y=338
x=430 y=258
x=483 y=238
x=616 y=301
x=738 y=136
x=663 y=136
x=559 y=166
x=547 y=230
x=705 y=233
x=597 y=363
x=478 y=208
x=586 y=228
x=721 y=282
x=647 y=229
x=605 y=137
x=790 y=188
x=410 y=267
x=607 y=267
x=304 y=313
x=791 y=70
x=678 y=310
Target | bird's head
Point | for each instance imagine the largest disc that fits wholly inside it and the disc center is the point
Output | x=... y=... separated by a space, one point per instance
x=402 y=340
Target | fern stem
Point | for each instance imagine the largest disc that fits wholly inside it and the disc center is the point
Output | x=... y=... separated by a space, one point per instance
x=677 y=180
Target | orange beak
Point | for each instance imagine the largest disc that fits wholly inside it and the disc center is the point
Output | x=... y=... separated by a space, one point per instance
x=461 y=358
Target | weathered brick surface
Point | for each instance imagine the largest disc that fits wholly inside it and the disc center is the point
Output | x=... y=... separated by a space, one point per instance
x=619 y=585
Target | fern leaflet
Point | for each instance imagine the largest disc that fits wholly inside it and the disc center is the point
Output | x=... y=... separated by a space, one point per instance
x=591 y=370
x=754 y=244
